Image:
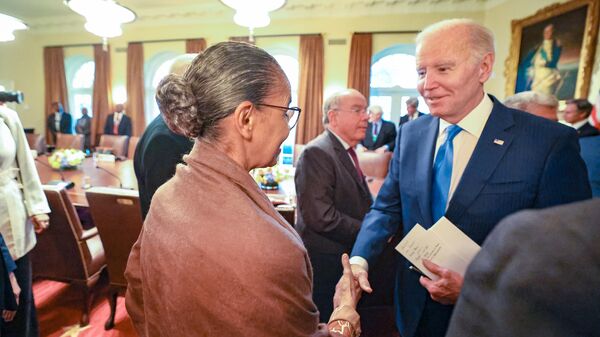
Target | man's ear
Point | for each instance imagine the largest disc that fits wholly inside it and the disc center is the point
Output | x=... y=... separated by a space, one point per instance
x=245 y=119
x=485 y=67
x=331 y=115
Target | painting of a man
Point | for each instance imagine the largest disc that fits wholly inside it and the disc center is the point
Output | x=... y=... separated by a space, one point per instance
x=539 y=69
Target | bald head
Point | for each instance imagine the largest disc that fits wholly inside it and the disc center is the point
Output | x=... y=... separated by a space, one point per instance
x=536 y=103
x=333 y=101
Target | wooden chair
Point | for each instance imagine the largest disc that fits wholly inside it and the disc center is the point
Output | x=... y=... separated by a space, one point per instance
x=133 y=141
x=117 y=215
x=66 y=252
x=36 y=142
x=68 y=141
x=116 y=144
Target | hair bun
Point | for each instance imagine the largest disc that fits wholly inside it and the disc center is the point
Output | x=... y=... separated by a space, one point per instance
x=178 y=105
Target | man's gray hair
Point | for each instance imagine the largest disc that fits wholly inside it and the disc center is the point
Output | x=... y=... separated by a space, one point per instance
x=480 y=39
x=412 y=101
x=333 y=101
x=523 y=99
x=376 y=109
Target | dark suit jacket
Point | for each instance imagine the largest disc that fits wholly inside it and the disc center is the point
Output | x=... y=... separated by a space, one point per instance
x=157 y=154
x=386 y=136
x=124 y=125
x=587 y=130
x=590 y=152
x=404 y=118
x=66 y=124
x=536 y=275
x=537 y=166
x=332 y=198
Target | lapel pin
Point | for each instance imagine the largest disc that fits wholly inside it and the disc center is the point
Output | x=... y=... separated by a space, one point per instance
x=498 y=141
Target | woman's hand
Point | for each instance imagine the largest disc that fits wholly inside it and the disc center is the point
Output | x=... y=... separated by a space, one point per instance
x=8 y=315
x=40 y=222
x=347 y=290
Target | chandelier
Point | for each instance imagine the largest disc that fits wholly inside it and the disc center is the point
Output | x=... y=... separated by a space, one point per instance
x=103 y=17
x=253 y=13
x=8 y=25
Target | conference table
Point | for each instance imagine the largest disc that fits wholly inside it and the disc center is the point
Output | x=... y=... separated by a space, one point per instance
x=91 y=172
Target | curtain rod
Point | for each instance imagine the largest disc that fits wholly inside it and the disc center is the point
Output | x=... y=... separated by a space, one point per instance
x=276 y=35
x=144 y=41
x=391 y=32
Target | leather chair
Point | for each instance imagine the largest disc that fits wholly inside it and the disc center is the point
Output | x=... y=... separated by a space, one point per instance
x=68 y=141
x=133 y=141
x=116 y=144
x=66 y=252
x=374 y=165
x=36 y=142
x=117 y=215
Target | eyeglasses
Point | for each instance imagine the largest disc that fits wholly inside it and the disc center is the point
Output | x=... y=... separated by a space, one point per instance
x=358 y=111
x=292 y=114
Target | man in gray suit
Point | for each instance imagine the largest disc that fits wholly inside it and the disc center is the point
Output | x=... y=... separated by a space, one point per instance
x=332 y=193
x=537 y=274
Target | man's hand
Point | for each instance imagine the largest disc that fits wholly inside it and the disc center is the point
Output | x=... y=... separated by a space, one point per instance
x=40 y=222
x=347 y=290
x=359 y=283
x=447 y=288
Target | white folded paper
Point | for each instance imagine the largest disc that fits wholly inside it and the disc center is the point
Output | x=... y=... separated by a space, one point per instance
x=443 y=244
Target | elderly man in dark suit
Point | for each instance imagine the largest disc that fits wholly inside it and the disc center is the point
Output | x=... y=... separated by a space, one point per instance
x=537 y=274
x=118 y=123
x=412 y=103
x=160 y=148
x=381 y=134
x=332 y=193
x=472 y=160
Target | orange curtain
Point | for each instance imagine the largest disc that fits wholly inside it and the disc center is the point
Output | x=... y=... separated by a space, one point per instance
x=359 y=69
x=55 y=83
x=102 y=97
x=310 y=89
x=135 y=87
x=194 y=46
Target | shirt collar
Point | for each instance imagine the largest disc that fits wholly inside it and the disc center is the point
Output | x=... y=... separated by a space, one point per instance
x=579 y=124
x=344 y=144
x=474 y=121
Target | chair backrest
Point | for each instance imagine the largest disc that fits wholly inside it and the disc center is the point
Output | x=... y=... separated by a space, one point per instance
x=133 y=141
x=68 y=141
x=298 y=148
x=117 y=215
x=117 y=144
x=65 y=251
x=374 y=164
x=36 y=142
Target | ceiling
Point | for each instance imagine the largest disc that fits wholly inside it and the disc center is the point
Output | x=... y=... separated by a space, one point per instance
x=47 y=14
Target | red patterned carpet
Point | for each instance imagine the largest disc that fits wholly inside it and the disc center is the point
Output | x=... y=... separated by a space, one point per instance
x=59 y=312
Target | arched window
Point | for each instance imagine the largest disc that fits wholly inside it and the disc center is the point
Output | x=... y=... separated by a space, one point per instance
x=79 y=71
x=394 y=80
x=155 y=69
x=291 y=68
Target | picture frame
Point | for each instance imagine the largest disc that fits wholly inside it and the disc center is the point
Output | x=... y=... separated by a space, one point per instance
x=552 y=51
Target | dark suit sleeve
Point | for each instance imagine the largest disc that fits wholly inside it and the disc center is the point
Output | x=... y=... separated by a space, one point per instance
x=315 y=184
x=385 y=215
x=8 y=261
x=391 y=136
x=68 y=124
x=565 y=178
x=108 y=125
x=159 y=163
x=127 y=130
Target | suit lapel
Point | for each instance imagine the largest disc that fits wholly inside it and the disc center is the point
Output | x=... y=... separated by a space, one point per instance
x=424 y=148
x=344 y=158
x=489 y=151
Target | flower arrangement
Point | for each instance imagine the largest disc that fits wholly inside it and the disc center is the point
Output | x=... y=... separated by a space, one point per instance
x=270 y=177
x=65 y=158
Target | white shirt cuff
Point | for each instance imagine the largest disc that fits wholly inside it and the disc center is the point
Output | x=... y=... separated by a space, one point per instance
x=361 y=261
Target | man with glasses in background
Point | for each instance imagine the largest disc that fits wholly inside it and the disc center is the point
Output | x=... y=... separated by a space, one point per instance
x=333 y=196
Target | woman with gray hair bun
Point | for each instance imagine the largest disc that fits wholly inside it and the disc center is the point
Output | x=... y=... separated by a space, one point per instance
x=214 y=257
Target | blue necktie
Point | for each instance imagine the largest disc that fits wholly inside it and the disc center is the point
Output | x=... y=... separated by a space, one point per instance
x=442 y=173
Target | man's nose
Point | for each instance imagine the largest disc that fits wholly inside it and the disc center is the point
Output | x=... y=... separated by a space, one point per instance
x=429 y=81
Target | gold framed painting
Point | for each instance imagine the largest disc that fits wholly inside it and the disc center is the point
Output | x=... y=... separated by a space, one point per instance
x=553 y=50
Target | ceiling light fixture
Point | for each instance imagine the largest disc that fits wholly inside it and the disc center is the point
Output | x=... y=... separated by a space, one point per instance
x=104 y=17
x=8 y=25
x=253 y=14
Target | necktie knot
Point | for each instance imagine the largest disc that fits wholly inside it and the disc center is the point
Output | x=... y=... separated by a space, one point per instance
x=452 y=131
